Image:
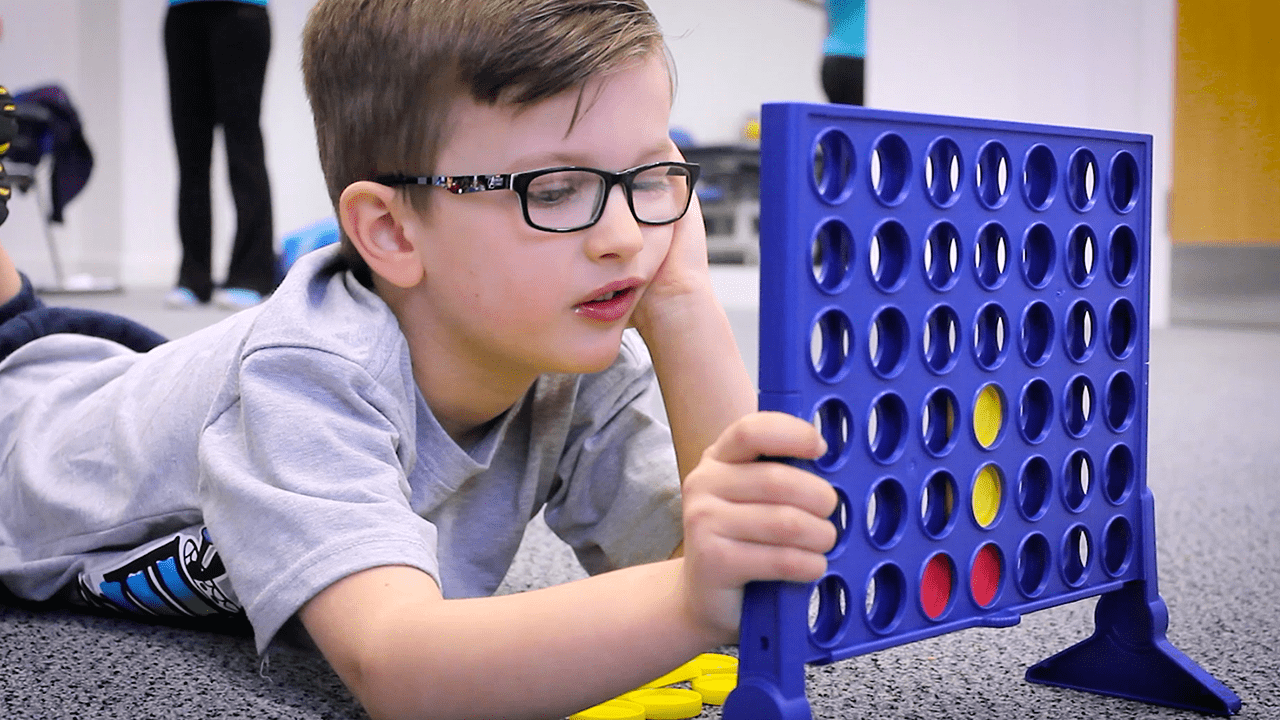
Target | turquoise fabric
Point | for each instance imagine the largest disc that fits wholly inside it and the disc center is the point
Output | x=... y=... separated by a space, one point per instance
x=847 y=28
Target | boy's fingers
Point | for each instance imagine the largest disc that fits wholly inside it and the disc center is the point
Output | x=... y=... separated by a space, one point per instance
x=767 y=434
x=774 y=483
x=783 y=526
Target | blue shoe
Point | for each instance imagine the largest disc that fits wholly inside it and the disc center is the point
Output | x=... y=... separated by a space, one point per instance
x=236 y=298
x=181 y=298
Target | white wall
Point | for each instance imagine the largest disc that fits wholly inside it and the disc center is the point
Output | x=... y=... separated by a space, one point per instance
x=1094 y=63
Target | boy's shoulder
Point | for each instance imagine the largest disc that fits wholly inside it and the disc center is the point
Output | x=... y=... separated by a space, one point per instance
x=321 y=306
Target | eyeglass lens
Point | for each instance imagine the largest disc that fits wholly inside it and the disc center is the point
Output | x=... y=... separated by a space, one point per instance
x=571 y=198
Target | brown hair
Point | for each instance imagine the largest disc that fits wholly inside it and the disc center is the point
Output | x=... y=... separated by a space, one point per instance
x=382 y=75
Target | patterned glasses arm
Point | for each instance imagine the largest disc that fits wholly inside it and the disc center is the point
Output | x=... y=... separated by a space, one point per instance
x=456 y=184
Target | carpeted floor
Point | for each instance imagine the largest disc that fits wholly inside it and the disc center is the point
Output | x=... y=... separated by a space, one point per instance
x=1214 y=467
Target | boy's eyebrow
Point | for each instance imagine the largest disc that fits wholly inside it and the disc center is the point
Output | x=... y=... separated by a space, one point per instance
x=540 y=160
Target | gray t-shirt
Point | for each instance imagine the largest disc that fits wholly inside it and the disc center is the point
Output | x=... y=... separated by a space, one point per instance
x=255 y=462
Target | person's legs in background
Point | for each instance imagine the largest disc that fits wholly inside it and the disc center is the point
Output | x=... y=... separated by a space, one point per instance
x=240 y=44
x=191 y=106
x=844 y=79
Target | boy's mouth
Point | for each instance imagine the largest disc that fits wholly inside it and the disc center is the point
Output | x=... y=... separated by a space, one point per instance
x=610 y=302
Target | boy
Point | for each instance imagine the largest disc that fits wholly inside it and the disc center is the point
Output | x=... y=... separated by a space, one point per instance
x=361 y=452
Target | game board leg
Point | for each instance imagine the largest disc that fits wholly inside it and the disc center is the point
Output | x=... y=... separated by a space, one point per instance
x=1129 y=656
x=771 y=666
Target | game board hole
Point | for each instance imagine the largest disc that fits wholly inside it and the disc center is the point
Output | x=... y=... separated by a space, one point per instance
x=884 y=599
x=890 y=168
x=1033 y=487
x=941 y=338
x=989 y=331
x=1033 y=565
x=985 y=575
x=991 y=255
x=832 y=255
x=1037 y=333
x=1122 y=258
x=1035 y=410
x=830 y=342
x=886 y=508
x=942 y=255
x=988 y=415
x=1038 y=249
x=833 y=165
x=1081 y=255
x=992 y=174
x=887 y=427
x=1117 y=546
x=1120 y=475
x=888 y=255
x=835 y=424
x=1122 y=323
x=1121 y=401
x=988 y=490
x=942 y=171
x=938 y=421
x=1078 y=409
x=840 y=518
x=937 y=585
x=1124 y=182
x=938 y=503
x=1082 y=179
x=1078 y=548
x=1079 y=478
x=1039 y=177
x=828 y=609
x=887 y=346
x=1081 y=324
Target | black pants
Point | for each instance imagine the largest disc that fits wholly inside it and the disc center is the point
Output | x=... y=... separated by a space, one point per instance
x=843 y=79
x=217 y=56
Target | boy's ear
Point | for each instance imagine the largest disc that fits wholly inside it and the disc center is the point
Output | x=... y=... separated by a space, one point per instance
x=371 y=215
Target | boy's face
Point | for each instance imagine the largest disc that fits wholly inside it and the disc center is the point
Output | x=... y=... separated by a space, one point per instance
x=501 y=296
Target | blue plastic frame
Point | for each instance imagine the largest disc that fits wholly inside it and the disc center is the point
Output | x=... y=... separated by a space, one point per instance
x=948 y=255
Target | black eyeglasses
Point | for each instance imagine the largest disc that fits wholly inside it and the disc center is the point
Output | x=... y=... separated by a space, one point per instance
x=565 y=199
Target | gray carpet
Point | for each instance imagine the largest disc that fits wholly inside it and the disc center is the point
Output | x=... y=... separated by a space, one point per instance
x=1214 y=466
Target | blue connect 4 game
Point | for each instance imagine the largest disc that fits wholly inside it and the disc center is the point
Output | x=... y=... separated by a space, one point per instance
x=961 y=307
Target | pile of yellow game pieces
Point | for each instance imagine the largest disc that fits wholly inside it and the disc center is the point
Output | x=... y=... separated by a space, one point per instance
x=710 y=675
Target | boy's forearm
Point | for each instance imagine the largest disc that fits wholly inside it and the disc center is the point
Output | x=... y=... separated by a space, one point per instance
x=705 y=385
x=540 y=654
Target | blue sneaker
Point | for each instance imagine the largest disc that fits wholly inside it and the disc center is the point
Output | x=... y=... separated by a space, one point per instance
x=181 y=298
x=236 y=298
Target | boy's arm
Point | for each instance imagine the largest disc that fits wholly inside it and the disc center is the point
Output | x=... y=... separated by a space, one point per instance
x=705 y=385
x=407 y=653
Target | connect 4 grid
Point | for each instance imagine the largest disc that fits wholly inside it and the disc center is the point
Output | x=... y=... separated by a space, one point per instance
x=961 y=307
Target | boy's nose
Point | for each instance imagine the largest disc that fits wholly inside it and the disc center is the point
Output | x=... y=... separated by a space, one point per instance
x=617 y=234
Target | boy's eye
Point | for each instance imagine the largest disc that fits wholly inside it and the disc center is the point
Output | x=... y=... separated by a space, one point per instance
x=657 y=180
x=559 y=188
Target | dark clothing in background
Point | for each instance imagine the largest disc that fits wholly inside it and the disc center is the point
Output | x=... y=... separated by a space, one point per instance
x=843 y=79
x=217 y=56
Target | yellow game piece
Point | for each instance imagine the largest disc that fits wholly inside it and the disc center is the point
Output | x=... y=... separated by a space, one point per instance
x=667 y=703
x=988 y=416
x=715 y=687
x=986 y=495
x=684 y=673
x=715 y=663
x=616 y=709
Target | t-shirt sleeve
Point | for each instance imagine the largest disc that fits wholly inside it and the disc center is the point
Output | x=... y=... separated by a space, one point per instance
x=617 y=496
x=303 y=480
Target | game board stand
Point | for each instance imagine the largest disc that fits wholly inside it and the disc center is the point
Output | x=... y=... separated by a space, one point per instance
x=961 y=306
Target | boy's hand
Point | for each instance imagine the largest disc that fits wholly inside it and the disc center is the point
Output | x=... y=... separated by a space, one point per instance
x=747 y=519
x=683 y=272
